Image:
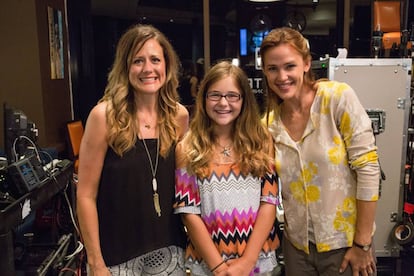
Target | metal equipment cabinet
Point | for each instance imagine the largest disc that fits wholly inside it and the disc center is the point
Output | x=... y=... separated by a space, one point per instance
x=384 y=85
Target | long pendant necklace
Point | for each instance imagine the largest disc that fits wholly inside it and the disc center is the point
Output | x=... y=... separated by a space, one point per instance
x=154 y=179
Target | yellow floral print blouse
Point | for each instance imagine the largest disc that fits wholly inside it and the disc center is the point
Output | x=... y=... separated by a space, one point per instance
x=323 y=174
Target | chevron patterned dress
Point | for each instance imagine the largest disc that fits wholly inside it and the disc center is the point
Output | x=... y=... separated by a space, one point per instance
x=228 y=202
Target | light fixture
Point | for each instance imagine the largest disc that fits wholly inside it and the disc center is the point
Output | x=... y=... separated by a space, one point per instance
x=265 y=1
x=235 y=61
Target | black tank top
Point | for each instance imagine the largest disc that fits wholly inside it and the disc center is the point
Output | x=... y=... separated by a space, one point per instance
x=128 y=223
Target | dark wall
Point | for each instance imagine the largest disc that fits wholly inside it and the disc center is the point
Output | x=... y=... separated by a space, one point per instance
x=55 y=92
x=25 y=80
x=360 y=33
x=185 y=39
x=81 y=57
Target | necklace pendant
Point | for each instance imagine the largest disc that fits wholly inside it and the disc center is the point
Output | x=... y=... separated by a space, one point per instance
x=147 y=126
x=226 y=152
x=157 y=204
x=154 y=185
x=155 y=197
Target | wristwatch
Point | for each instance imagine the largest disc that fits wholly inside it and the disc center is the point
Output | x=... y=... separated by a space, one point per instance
x=364 y=247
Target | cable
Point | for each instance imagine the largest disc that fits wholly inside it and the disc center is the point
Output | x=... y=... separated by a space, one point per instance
x=48 y=155
x=30 y=141
x=80 y=246
x=50 y=169
x=71 y=211
x=67 y=269
x=69 y=205
x=77 y=251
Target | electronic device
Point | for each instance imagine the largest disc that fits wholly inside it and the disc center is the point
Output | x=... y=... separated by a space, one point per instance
x=5 y=197
x=3 y=174
x=25 y=175
x=20 y=134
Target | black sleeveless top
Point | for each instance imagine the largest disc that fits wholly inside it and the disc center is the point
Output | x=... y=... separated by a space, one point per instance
x=128 y=223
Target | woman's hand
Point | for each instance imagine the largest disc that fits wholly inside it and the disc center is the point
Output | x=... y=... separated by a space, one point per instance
x=361 y=262
x=99 y=271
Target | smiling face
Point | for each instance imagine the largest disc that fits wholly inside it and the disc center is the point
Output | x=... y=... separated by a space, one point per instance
x=284 y=69
x=147 y=73
x=223 y=112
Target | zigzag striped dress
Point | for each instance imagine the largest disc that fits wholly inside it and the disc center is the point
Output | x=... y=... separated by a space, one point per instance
x=227 y=202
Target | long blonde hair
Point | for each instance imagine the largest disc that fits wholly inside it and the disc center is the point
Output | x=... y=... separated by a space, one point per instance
x=250 y=138
x=297 y=41
x=120 y=98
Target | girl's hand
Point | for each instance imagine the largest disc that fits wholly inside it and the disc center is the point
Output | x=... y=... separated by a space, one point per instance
x=239 y=267
x=221 y=270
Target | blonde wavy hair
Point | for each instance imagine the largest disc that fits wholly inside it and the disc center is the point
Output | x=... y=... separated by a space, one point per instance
x=120 y=97
x=297 y=41
x=250 y=138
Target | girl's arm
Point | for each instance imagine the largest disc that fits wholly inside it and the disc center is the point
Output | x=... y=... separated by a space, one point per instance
x=264 y=222
x=202 y=242
x=266 y=216
x=196 y=229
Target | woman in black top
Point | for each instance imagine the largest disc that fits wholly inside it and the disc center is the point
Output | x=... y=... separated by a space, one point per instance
x=126 y=168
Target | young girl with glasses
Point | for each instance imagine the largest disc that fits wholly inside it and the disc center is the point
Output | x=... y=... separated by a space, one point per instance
x=226 y=185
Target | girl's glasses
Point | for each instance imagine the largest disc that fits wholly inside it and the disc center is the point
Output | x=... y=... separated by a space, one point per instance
x=230 y=97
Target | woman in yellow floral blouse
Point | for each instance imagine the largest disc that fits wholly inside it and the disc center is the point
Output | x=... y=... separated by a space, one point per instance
x=327 y=161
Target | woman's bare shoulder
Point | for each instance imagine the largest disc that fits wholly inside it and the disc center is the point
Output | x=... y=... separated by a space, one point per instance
x=182 y=119
x=97 y=117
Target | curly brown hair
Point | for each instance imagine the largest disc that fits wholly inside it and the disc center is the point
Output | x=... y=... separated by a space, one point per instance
x=120 y=98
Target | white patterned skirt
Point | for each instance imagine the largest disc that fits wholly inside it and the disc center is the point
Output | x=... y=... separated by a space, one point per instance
x=167 y=261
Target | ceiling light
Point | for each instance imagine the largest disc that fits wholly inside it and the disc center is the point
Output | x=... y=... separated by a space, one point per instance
x=265 y=1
